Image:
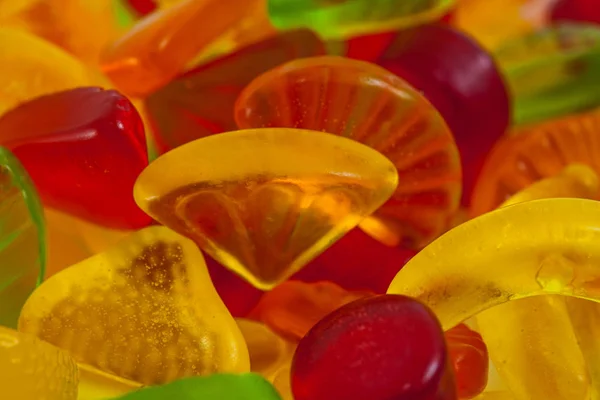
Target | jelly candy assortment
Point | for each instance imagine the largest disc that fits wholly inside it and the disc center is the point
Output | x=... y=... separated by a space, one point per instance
x=299 y=200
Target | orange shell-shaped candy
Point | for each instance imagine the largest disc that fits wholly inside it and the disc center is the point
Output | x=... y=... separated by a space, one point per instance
x=535 y=152
x=366 y=103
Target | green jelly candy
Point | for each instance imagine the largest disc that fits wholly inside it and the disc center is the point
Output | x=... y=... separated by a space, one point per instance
x=214 y=387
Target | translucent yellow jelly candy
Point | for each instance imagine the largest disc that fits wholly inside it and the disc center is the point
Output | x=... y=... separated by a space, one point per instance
x=268 y=351
x=146 y=311
x=31 y=67
x=31 y=369
x=264 y=202
x=532 y=341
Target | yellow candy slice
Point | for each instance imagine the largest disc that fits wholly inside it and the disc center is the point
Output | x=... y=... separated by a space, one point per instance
x=34 y=370
x=146 y=311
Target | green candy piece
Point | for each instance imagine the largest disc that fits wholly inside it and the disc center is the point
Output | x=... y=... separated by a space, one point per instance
x=22 y=238
x=553 y=72
x=336 y=19
x=214 y=387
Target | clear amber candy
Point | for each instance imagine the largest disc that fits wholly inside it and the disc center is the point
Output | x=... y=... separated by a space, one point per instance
x=145 y=310
x=264 y=202
x=34 y=370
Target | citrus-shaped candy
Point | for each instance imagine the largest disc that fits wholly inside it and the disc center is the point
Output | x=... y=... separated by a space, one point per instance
x=366 y=103
x=264 y=202
x=144 y=310
x=535 y=152
x=338 y=19
x=552 y=72
x=24 y=55
x=32 y=369
x=23 y=238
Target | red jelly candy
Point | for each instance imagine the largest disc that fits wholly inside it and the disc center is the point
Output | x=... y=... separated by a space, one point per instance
x=576 y=10
x=84 y=148
x=469 y=357
x=357 y=262
x=378 y=348
x=462 y=81
x=142 y=7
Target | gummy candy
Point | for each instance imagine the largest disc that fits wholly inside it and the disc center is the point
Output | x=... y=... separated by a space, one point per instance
x=217 y=386
x=535 y=152
x=78 y=146
x=546 y=248
x=552 y=72
x=344 y=355
x=145 y=311
x=162 y=43
x=293 y=307
x=576 y=10
x=476 y=106
x=283 y=383
x=268 y=351
x=469 y=357
x=23 y=56
x=278 y=198
x=32 y=369
x=334 y=19
x=200 y=102
x=369 y=104
x=23 y=244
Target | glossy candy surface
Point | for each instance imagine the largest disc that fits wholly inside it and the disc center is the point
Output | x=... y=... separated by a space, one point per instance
x=469 y=356
x=23 y=238
x=335 y=19
x=537 y=247
x=200 y=102
x=535 y=152
x=293 y=307
x=144 y=310
x=552 y=72
x=160 y=45
x=32 y=369
x=344 y=355
x=370 y=105
x=83 y=148
x=24 y=55
x=314 y=188
x=475 y=104
x=218 y=386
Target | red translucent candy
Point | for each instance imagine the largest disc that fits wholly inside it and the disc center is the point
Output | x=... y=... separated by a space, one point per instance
x=357 y=262
x=142 y=7
x=470 y=360
x=200 y=102
x=378 y=348
x=84 y=148
x=239 y=296
x=576 y=10
x=462 y=81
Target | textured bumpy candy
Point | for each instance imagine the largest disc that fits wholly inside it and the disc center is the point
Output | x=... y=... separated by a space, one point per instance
x=268 y=351
x=535 y=152
x=161 y=44
x=84 y=149
x=264 y=202
x=218 y=386
x=24 y=55
x=469 y=357
x=338 y=19
x=294 y=307
x=370 y=105
x=32 y=369
x=552 y=72
x=475 y=105
x=382 y=347
x=144 y=310
x=22 y=238
x=200 y=102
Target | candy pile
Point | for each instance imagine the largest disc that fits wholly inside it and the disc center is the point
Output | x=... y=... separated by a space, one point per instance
x=300 y=199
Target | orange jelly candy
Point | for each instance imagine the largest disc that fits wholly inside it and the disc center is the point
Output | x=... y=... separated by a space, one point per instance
x=294 y=307
x=369 y=104
x=535 y=152
x=470 y=360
